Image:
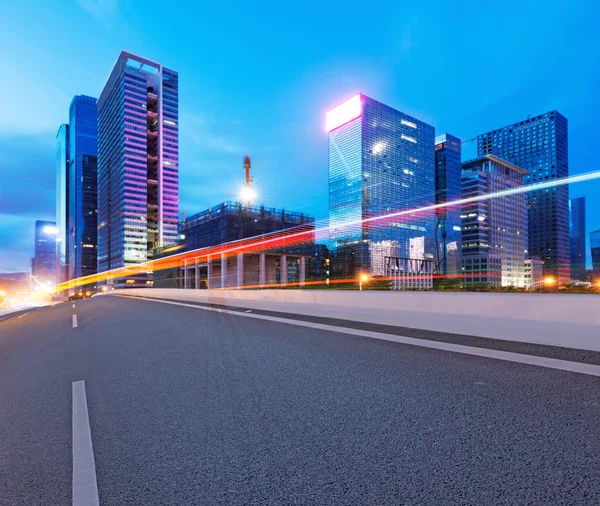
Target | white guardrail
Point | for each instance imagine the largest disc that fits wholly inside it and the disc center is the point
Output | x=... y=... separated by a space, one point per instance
x=567 y=320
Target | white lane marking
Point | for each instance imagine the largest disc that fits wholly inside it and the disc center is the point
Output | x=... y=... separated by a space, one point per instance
x=552 y=363
x=19 y=317
x=85 y=486
x=73 y=305
x=74 y=321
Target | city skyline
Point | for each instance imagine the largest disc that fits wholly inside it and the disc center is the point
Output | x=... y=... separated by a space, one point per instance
x=208 y=150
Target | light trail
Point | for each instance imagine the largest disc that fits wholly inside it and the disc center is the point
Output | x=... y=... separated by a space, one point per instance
x=286 y=238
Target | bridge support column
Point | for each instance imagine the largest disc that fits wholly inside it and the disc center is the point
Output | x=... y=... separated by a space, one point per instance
x=223 y=271
x=302 y=271
x=208 y=272
x=185 y=285
x=197 y=275
x=261 y=270
x=240 y=270
x=283 y=270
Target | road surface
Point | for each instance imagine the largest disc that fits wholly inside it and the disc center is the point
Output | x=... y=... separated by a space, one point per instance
x=191 y=406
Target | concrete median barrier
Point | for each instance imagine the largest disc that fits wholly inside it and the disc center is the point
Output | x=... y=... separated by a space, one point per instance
x=566 y=320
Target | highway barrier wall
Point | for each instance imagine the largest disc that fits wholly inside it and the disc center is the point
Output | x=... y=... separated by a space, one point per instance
x=568 y=320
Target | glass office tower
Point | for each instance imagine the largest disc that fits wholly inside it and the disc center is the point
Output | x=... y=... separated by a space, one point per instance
x=82 y=200
x=447 y=188
x=62 y=205
x=43 y=263
x=578 y=260
x=540 y=145
x=138 y=156
x=381 y=161
x=595 y=245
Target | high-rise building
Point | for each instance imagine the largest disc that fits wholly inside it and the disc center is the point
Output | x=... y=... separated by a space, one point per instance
x=447 y=189
x=540 y=145
x=43 y=263
x=595 y=245
x=63 y=237
x=494 y=230
x=138 y=158
x=381 y=161
x=82 y=188
x=578 y=252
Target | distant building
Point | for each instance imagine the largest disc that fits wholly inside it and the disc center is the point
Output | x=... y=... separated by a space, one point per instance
x=226 y=223
x=138 y=160
x=534 y=273
x=595 y=245
x=494 y=231
x=578 y=238
x=447 y=189
x=319 y=264
x=63 y=236
x=381 y=161
x=540 y=145
x=43 y=263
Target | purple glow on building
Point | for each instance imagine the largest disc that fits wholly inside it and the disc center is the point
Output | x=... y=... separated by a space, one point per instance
x=344 y=113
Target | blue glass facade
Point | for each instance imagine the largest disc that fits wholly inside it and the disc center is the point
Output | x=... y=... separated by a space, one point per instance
x=82 y=188
x=540 y=145
x=447 y=189
x=43 y=263
x=380 y=162
x=138 y=158
x=595 y=245
x=63 y=238
x=578 y=260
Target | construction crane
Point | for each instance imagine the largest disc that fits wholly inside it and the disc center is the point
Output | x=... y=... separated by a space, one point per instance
x=248 y=194
x=247 y=165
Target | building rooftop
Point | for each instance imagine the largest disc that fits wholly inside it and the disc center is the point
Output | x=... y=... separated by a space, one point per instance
x=239 y=208
x=479 y=160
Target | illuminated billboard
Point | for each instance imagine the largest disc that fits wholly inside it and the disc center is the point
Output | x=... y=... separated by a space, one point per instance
x=344 y=113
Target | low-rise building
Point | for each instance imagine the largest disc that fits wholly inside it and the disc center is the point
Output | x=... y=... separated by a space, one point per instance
x=240 y=245
x=534 y=273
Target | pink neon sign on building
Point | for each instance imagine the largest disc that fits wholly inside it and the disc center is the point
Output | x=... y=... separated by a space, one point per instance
x=344 y=113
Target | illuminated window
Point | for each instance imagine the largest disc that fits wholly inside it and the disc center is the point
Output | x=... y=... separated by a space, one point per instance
x=408 y=123
x=408 y=138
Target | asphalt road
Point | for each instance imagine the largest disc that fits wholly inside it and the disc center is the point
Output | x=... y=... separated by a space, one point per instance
x=189 y=406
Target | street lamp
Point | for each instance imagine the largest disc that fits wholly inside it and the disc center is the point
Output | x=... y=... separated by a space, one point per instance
x=247 y=195
x=547 y=281
x=363 y=278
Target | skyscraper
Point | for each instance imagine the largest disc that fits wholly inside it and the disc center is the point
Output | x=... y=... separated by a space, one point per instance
x=63 y=237
x=82 y=201
x=447 y=188
x=43 y=263
x=595 y=245
x=380 y=161
x=578 y=260
x=540 y=145
x=138 y=157
x=494 y=231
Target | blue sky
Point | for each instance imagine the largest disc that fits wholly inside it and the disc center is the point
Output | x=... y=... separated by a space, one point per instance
x=257 y=77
